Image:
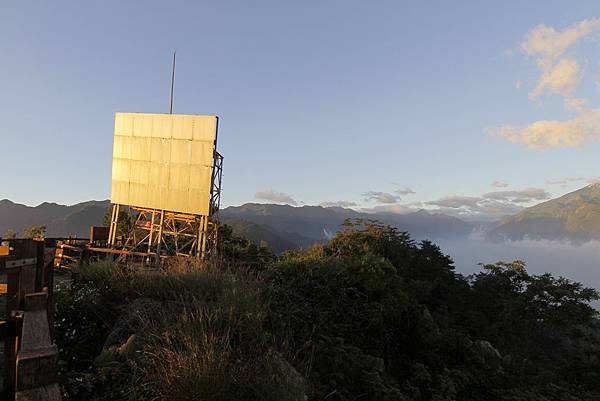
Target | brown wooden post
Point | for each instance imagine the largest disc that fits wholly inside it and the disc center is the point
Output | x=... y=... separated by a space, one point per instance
x=9 y=333
x=30 y=356
x=39 y=268
x=49 y=288
x=38 y=356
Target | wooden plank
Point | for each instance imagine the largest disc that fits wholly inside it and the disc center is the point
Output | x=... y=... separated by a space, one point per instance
x=12 y=264
x=49 y=288
x=11 y=347
x=121 y=252
x=12 y=288
x=39 y=268
x=66 y=246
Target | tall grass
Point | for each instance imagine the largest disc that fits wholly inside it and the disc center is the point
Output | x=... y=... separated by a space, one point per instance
x=206 y=341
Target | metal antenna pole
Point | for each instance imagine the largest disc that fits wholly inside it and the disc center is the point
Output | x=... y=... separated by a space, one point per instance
x=172 y=82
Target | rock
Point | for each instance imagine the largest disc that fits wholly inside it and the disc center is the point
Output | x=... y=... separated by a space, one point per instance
x=294 y=383
x=430 y=323
x=487 y=350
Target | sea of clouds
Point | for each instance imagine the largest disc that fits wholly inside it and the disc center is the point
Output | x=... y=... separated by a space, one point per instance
x=579 y=262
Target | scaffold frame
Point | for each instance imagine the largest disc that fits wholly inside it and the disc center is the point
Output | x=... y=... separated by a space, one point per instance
x=157 y=233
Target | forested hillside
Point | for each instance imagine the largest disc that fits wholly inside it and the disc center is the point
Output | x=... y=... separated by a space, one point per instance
x=369 y=315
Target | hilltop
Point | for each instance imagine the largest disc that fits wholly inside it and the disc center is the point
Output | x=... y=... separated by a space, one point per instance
x=574 y=216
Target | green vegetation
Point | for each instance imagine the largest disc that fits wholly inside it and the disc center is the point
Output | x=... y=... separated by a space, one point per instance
x=35 y=231
x=240 y=251
x=370 y=315
x=9 y=234
x=124 y=224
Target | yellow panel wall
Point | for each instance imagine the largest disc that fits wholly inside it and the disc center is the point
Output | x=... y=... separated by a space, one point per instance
x=163 y=161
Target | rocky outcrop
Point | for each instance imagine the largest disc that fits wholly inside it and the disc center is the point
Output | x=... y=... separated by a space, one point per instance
x=296 y=388
x=488 y=353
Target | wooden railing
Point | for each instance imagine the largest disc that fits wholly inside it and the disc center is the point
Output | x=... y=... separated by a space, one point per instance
x=30 y=357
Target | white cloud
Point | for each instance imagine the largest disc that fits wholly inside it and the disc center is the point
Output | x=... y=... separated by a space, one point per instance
x=344 y=204
x=562 y=79
x=552 y=133
x=381 y=197
x=457 y=202
x=477 y=208
x=522 y=196
x=491 y=205
x=500 y=184
x=485 y=211
x=575 y=104
x=277 y=197
x=548 y=45
x=561 y=76
x=405 y=191
x=390 y=208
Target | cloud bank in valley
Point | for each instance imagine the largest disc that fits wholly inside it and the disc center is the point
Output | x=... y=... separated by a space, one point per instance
x=576 y=262
x=489 y=206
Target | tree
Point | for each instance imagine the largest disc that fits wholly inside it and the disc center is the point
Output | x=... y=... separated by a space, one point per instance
x=9 y=234
x=360 y=237
x=35 y=232
x=125 y=221
x=540 y=321
x=240 y=250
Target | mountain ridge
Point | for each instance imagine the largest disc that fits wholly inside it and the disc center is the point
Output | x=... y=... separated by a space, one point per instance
x=574 y=216
x=284 y=224
x=319 y=222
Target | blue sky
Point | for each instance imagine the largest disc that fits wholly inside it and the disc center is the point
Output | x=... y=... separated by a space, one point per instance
x=320 y=101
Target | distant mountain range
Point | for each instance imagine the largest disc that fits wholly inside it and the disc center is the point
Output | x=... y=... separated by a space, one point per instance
x=306 y=225
x=574 y=216
x=281 y=226
x=60 y=220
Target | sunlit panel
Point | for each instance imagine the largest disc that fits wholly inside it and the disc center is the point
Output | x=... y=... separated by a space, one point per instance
x=163 y=161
